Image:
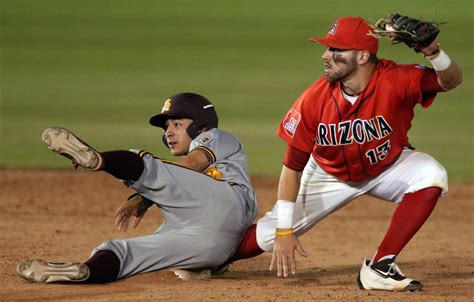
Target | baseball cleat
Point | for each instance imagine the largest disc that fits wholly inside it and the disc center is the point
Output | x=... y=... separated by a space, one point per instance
x=220 y=270
x=48 y=272
x=201 y=274
x=187 y=275
x=65 y=143
x=385 y=275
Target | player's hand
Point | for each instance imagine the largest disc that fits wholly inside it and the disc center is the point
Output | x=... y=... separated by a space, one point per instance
x=284 y=254
x=135 y=206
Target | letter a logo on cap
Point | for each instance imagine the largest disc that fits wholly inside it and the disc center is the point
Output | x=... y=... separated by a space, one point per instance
x=166 y=106
x=333 y=29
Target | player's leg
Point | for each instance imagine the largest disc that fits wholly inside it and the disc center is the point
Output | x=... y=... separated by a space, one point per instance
x=165 y=183
x=65 y=143
x=38 y=270
x=320 y=194
x=102 y=267
x=168 y=184
x=248 y=247
x=194 y=199
x=195 y=250
x=188 y=249
x=415 y=182
x=121 y=164
x=409 y=216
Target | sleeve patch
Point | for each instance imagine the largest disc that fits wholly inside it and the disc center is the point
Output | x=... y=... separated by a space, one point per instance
x=206 y=139
x=291 y=122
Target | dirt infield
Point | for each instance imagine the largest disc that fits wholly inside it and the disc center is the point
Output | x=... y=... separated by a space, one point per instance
x=62 y=215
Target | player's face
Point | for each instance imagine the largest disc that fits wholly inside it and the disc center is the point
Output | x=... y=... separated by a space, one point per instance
x=176 y=136
x=339 y=64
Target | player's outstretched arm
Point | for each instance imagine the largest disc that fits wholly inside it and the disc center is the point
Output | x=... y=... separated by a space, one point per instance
x=448 y=72
x=198 y=160
x=135 y=206
x=286 y=242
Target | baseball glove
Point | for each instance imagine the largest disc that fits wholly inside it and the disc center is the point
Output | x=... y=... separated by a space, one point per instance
x=417 y=34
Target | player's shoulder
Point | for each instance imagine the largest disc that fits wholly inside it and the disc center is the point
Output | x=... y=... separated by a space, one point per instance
x=390 y=68
x=215 y=134
x=317 y=91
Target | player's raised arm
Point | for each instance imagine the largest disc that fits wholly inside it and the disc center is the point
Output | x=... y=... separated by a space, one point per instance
x=448 y=72
x=421 y=36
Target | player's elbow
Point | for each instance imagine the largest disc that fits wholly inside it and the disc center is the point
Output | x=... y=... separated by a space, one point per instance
x=451 y=77
x=458 y=80
x=452 y=82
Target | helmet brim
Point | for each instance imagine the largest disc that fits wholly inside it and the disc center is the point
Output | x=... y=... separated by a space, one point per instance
x=159 y=120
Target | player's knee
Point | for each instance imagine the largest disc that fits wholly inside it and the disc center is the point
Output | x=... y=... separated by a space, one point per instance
x=432 y=173
x=434 y=170
x=119 y=247
x=106 y=245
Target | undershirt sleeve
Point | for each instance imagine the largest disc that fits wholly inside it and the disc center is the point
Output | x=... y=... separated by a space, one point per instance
x=295 y=159
x=429 y=87
x=430 y=84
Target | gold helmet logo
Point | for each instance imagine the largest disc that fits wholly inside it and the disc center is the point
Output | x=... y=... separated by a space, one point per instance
x=166 y=106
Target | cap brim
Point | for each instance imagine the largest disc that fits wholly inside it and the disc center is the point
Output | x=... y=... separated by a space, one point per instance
x=330 y=43
x=159 y=120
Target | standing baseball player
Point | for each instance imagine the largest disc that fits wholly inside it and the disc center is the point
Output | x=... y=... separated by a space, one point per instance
x=206 y=199
x=346 y=136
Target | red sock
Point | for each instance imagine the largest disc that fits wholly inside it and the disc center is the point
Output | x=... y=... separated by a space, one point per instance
x=407 y=219
x=248 y=246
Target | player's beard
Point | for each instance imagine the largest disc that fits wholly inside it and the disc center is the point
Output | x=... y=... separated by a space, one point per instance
x=350 y=67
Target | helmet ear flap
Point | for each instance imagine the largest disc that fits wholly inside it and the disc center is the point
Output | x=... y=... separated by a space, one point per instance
x=192 y=130
x=163 y=138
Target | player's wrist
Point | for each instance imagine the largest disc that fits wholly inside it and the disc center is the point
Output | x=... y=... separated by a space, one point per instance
x=431 y=50
x=284 y=232
x=285 y=211
x=440 y=61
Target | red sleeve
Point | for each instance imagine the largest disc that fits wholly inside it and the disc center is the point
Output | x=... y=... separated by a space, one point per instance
x=430 y=84
x=420 y=84
x=295 y=159
x=429 y=87
x=298 y=127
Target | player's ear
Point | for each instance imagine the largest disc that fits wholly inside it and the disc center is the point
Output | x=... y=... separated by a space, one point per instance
x=363 y=57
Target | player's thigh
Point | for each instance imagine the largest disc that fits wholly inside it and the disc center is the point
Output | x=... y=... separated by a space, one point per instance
x=171 y=184
x=412 y=172
x=171 y=250
x=320 y=194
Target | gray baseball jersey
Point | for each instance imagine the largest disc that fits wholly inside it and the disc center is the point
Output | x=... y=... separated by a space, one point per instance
x=205 y=214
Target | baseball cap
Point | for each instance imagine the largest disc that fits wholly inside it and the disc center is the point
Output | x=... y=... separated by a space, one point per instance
x=350 y=33
x=186 y=105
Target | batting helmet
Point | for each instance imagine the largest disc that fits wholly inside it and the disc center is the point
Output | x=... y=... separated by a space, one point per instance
x=188 y=105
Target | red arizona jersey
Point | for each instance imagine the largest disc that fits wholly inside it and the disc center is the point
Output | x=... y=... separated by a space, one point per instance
x=354 y=142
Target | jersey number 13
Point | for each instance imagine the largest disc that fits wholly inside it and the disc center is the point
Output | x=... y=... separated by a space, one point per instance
x=378 y=153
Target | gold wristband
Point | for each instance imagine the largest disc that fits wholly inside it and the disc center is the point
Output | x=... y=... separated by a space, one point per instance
x=284 y=233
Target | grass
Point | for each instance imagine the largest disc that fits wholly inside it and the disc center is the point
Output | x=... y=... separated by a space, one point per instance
x=102 y=68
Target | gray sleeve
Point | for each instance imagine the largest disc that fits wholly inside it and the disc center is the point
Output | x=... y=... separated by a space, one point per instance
x=217 y=143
